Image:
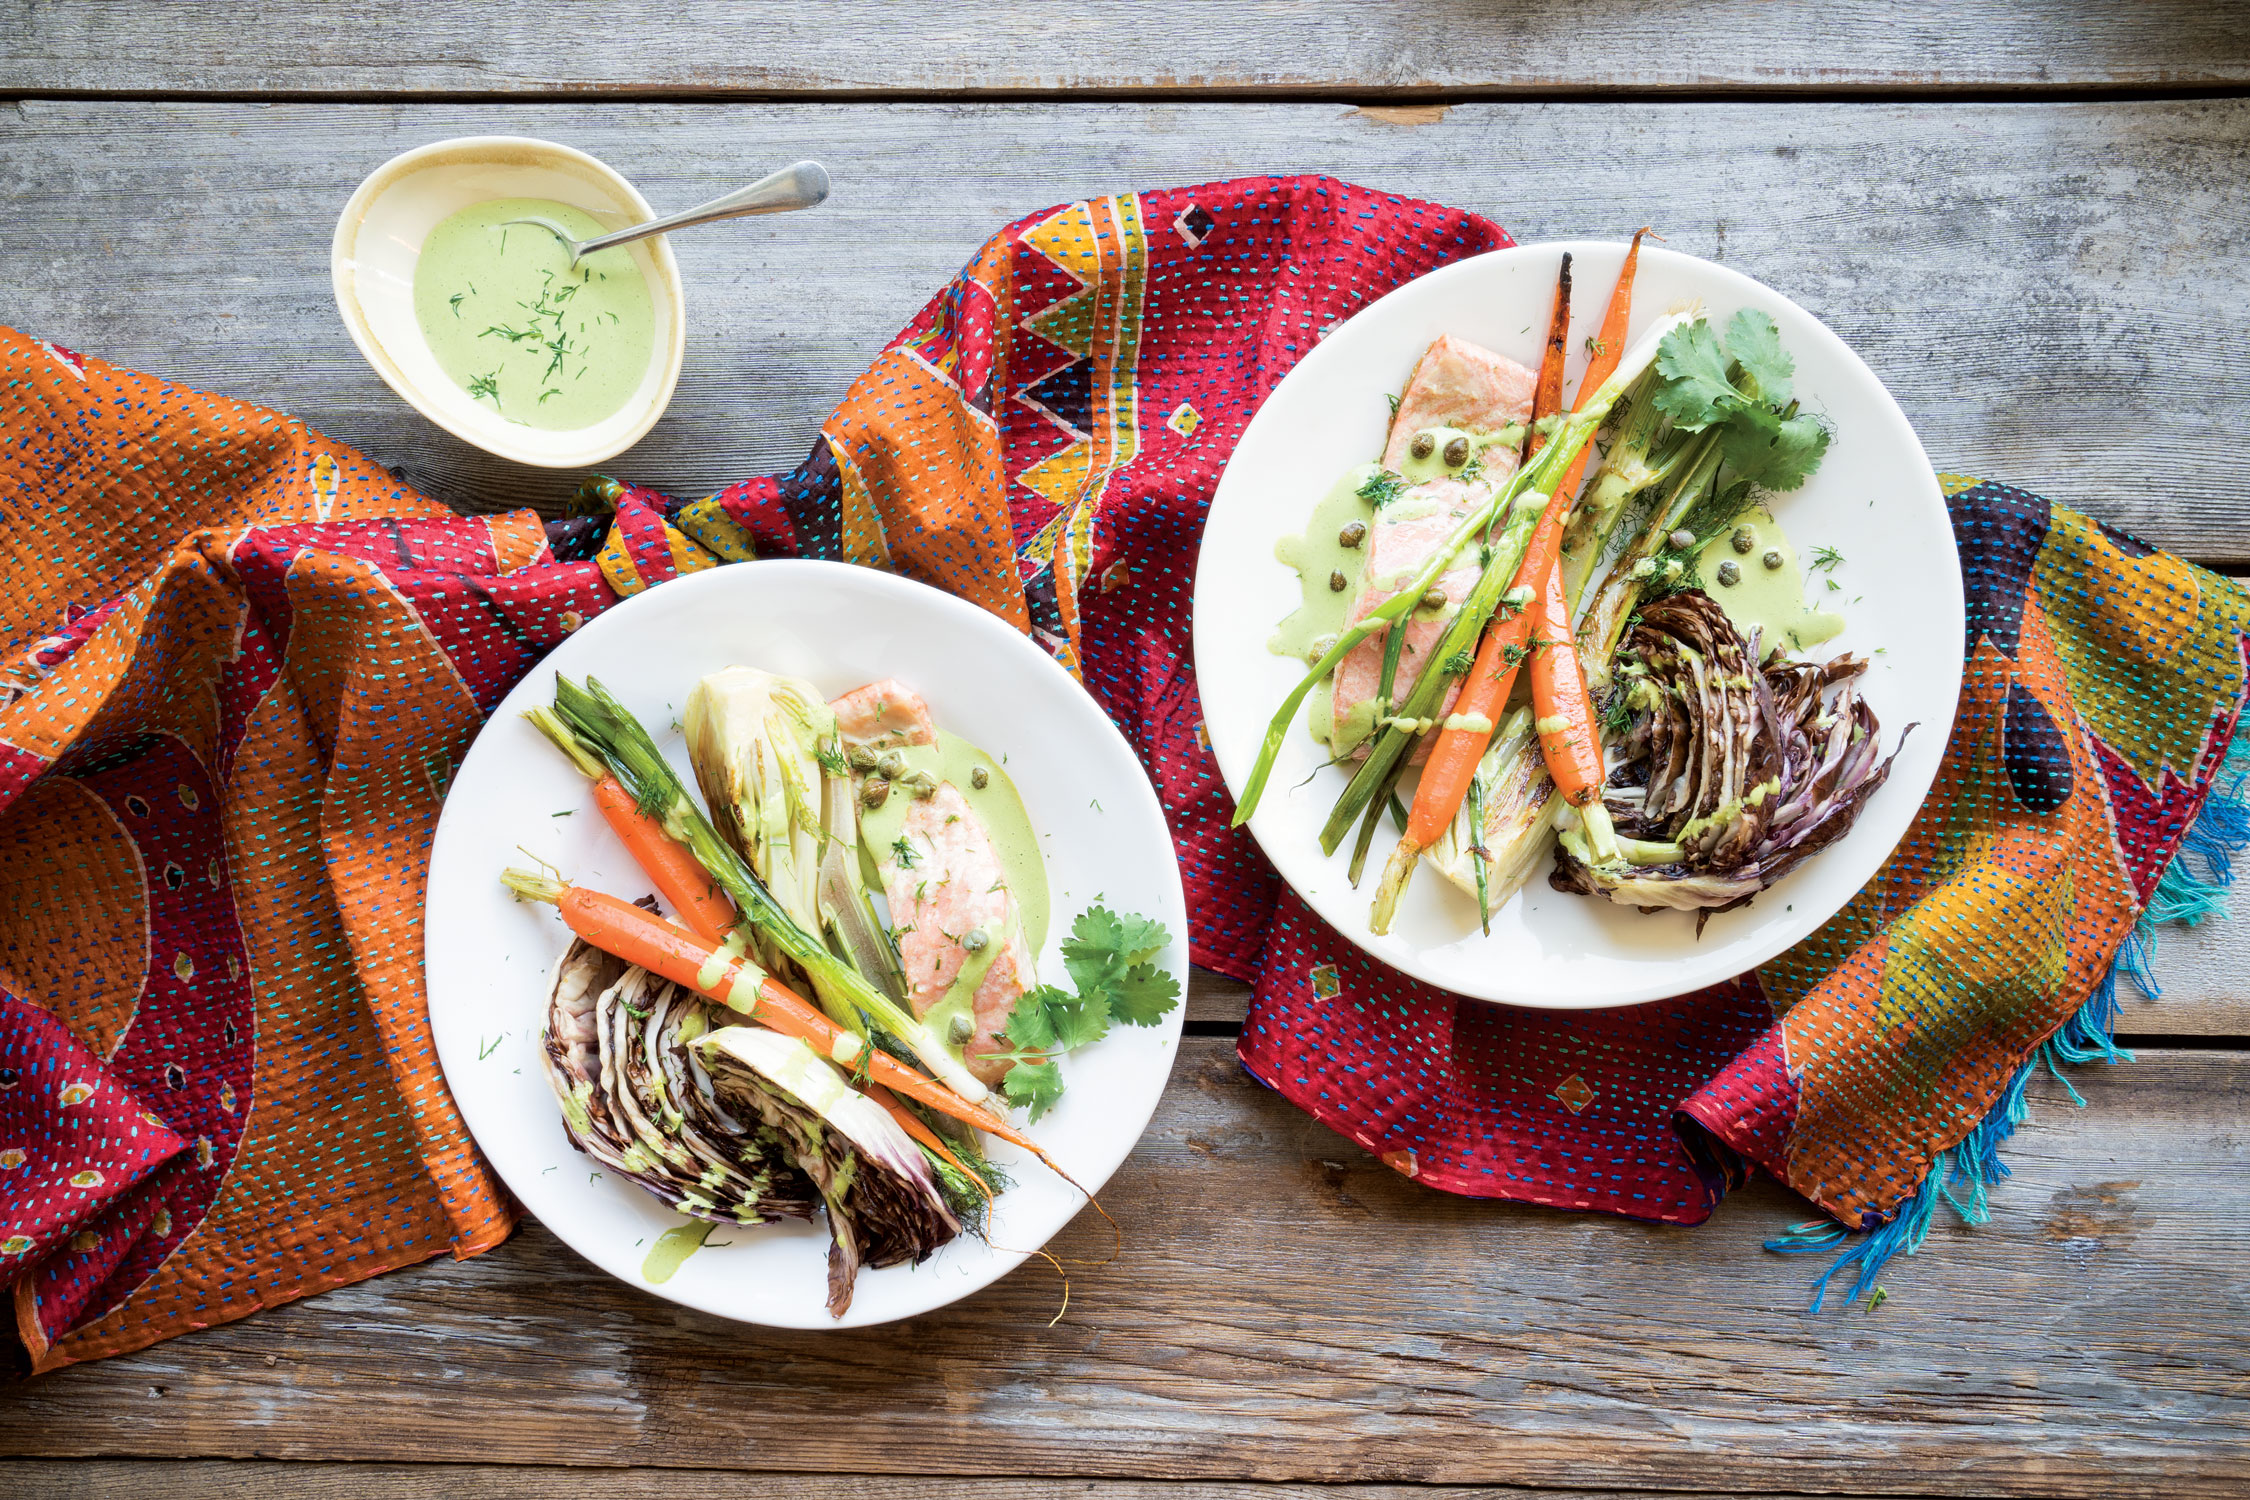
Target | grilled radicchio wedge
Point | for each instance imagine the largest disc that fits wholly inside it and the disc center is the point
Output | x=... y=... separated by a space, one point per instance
x=884 y=1207
x=1731 y=773
x=636 y=1098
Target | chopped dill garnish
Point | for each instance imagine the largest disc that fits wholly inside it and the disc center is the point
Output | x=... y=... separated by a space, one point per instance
x=904 y=852
x=1382 y=487
x=1825 y=559
x=455 y=301
x=550 y=391
x=1459 y=663
x=486 y=385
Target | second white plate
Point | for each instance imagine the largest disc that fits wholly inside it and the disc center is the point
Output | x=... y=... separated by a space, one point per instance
x=1875 y=500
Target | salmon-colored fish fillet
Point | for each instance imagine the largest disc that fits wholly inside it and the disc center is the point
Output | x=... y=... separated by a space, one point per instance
x=945 y=883
x=883 y=715
x=1460 y=385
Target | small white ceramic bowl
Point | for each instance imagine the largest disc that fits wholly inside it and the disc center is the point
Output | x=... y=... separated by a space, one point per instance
x=379 y=239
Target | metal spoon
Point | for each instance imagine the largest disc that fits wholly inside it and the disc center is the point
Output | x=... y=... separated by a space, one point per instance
x=803 y=185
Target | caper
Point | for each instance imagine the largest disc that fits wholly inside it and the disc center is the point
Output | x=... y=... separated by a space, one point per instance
x=1772 y=559
x=973 y=940
x=1457 y=453
x=1681 y=540
x=1434 y=599
x=961 y=1029
x=861 y=758
x=1336 y=583
x=1320 y=647
x=891 y=764
x=1744 y=539
x=875 y=791
x=1729 y=574
x=921 y=783
x=1352 y=535
x=1422 y=446
x=980 y=778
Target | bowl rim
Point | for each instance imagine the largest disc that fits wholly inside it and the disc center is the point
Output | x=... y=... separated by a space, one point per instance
x=543 y=449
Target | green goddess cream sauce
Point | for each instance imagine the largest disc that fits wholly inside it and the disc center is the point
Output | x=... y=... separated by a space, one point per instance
x=672 y=1248
x=997 y=806
x=516 y=325
x=1323 y=559
x=1768 y=592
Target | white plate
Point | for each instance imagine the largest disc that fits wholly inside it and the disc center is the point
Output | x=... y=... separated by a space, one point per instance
x=1875 y=500
x=837 y=626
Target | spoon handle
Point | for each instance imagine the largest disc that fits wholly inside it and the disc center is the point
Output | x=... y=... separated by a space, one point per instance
x=802 y=185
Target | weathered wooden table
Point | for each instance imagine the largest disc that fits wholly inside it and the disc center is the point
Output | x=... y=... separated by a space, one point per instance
x=2028 y=217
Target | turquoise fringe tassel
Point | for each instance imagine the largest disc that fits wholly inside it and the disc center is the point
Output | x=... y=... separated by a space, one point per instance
x=2192 y=889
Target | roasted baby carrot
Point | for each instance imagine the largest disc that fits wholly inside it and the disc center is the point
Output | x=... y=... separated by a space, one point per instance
x=1484 y=693
x=1609 y=347
x=1546 y=396
x=680 y=878
x=1568 y=736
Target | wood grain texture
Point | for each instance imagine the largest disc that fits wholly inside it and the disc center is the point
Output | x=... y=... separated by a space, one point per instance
x=706 y=47
x=255 y=1480
x=2055 y=293
x=1287 y=1309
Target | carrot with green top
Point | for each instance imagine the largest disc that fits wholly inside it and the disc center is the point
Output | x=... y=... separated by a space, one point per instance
x=683 y=883
x=721 y=972
x=679 y=877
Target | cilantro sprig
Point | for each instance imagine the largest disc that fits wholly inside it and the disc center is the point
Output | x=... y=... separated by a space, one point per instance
x=1743 y=386
x=1111 y=962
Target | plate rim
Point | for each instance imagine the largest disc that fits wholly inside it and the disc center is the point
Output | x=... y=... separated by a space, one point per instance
x=449 y=833
x=1656 y=988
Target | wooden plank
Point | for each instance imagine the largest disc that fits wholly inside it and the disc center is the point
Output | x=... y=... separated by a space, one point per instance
x=252 y=1480
x=2054 y=292
x=1286 y=1309
x=2204 y=975
x=706 y=47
